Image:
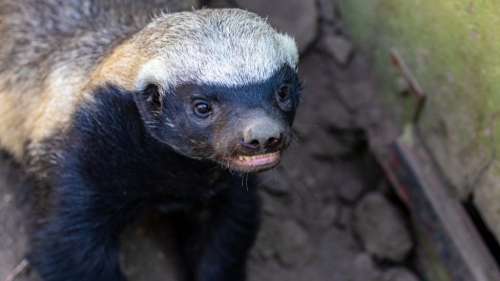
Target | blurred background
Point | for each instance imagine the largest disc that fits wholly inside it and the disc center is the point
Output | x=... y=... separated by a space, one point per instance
x=394 y=175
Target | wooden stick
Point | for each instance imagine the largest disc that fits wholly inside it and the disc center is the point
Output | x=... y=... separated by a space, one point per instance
x=20 y=268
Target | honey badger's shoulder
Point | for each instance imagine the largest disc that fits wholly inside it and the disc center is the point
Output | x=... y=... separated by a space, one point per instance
x=49 y=50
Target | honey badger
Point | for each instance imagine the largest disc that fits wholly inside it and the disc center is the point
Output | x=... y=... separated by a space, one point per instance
x=118 y=112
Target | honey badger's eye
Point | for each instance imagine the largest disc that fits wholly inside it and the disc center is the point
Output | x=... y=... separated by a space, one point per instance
x=283 y=93
x=283 y=97
x=202 y=108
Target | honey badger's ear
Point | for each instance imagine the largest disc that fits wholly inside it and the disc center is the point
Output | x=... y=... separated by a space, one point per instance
x=149 y=100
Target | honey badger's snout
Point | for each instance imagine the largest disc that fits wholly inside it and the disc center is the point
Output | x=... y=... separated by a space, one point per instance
x=261 y=141
x=263 y=135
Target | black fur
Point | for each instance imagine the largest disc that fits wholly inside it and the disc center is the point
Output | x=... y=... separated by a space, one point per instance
x=111 y=170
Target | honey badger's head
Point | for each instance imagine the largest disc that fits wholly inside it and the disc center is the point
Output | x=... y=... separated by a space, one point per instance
x=219 y=85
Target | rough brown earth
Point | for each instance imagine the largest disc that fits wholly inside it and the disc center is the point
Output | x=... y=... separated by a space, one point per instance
x=317 y=206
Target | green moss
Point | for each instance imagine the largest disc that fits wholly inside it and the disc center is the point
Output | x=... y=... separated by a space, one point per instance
x=454 y=51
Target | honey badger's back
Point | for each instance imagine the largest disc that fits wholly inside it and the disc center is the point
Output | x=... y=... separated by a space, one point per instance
x=47 y=52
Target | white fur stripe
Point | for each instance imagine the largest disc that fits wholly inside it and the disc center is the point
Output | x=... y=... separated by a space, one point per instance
x=218 y=47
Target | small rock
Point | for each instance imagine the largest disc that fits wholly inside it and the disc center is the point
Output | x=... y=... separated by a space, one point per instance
x=267 y=239
x=323 y=104
x=327 y=10
x=294 y=249
x=334 y=114
x=339 y=258
x=326 y=146
x=339 y=47
x=274 y=205
x=292 y=165
x=328 y=216
x=351 y=187
x=344 y=217
x=298 y=18
x=285 y=240
x=274 y=182
x=381 y=228
x=357 y=94
x=7 y=198
x=365 y=268
x=399 y=274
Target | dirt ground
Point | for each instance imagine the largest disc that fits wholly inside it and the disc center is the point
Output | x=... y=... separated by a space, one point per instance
x=328 y=213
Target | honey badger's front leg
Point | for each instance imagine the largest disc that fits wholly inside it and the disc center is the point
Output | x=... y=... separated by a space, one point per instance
x=216 y=250
x=233 y=232
x=81 y=241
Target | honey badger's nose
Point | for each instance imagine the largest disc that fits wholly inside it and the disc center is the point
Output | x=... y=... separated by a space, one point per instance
x=262 y=133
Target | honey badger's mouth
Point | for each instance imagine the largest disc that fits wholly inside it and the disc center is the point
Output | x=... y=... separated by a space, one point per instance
x=254 y=163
